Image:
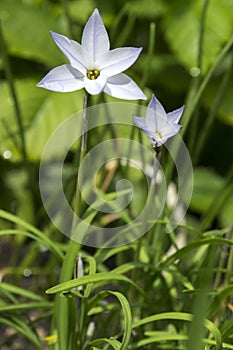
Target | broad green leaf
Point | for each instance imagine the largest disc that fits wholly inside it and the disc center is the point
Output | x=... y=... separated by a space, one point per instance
x=55 y=108
x=26 y=30
x=182 y=29
x=30 y=99
x=42 y=111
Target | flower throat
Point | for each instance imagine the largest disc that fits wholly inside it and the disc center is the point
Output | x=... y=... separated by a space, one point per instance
x=93 y=74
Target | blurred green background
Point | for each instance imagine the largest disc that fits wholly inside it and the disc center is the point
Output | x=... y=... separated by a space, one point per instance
x=176 y=64
x=188 y=61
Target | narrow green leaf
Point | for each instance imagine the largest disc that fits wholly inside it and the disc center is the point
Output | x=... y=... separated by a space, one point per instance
x=92 y=271
x=22 y=328
x=25 y=306
x=219 y=298
x=36 y=233
x=113 y=342
x=181 y=316
x=20 y=291
x=159 y=338
x=96 y=278
x=214 y=240
x=127 y=318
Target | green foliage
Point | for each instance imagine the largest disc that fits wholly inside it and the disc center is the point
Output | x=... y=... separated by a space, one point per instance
x=182 y=30
x=163 y=290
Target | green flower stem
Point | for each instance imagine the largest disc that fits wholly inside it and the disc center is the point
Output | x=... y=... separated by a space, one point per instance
x=151 y=195
x=77 y=200
x=10 y=80
x=66 y=307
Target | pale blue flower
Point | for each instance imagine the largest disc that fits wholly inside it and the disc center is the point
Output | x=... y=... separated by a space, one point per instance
x=93 y=65
x=159 y=125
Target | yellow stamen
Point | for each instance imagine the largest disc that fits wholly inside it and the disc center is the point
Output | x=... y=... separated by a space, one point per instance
x=158 y=134
x=93 y=74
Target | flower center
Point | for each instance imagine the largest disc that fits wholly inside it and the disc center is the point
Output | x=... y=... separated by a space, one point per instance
x=93 y=74
x=158 y=134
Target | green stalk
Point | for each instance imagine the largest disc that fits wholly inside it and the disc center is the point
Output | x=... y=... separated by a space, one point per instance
x=66 y=307
x=10 y=80
x=151 y=194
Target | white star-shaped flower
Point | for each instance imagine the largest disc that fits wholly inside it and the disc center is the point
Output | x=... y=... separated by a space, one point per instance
x=159 y=125
x=93 y=65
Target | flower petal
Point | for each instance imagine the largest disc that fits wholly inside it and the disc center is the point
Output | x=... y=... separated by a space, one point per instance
x=63 y=78
x=175 y=115
x=140 y=122
x=121 y=86
x=155 y=115
x=95 y=86
x=118 y=60
x=95 y=38
x=170 y=130
x=72 y=50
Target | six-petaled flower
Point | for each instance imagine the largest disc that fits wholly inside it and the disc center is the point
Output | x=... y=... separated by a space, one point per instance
x=93 y=65
x=159 y=125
